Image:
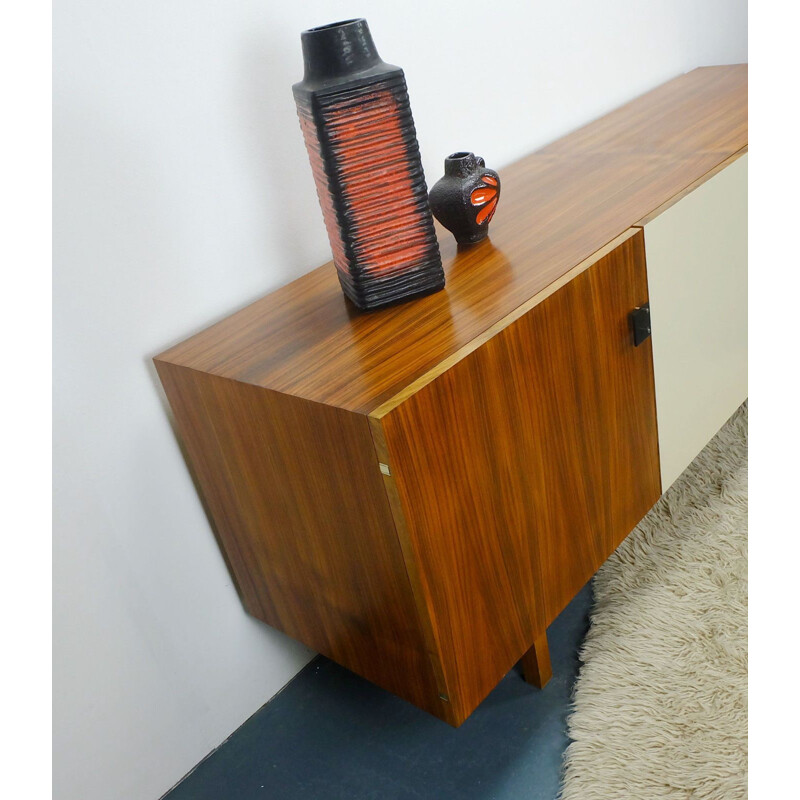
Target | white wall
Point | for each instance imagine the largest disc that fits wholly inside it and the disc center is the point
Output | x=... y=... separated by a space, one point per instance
x=182 y=191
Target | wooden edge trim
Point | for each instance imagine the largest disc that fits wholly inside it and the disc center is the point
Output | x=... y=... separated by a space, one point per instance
x=690 y=188
x=446 y=700
x=433 y=373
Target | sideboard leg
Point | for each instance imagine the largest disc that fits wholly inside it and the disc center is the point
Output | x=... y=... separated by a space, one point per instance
x=536 y=663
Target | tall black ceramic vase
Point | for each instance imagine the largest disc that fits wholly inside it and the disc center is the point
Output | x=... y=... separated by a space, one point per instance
x=360 y=136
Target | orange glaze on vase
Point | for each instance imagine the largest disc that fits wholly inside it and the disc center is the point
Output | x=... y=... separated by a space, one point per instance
x=388 y=230
x=326 y=202
x=487 y=197
x=359 y=132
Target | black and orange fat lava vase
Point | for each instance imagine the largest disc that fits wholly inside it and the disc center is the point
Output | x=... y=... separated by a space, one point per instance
x=360 y=136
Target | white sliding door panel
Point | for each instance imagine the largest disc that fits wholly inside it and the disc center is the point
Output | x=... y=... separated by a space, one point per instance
x=697 y=276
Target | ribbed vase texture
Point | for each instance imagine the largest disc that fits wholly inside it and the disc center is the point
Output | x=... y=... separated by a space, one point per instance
x=364 y=155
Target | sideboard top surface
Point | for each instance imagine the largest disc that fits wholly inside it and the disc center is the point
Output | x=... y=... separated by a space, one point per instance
x=559 y=206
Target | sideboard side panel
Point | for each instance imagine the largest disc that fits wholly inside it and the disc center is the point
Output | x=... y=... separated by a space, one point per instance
x=697 y=272
x=295 y=493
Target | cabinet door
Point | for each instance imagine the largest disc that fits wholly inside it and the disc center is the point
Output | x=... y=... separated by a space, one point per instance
x=524 y=465
x=697 y=274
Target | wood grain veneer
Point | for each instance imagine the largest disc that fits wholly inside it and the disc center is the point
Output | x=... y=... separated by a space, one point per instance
x=690 y=188
x=522 y=467
x=302 y=515
x=703 y=111
x=418 y=492
x=536 y=666
x=559 y=206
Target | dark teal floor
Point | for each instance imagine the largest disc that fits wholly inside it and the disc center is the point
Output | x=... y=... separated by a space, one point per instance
x=330 y=735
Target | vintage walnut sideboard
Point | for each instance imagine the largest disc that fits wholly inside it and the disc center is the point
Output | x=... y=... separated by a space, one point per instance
x=418 y=492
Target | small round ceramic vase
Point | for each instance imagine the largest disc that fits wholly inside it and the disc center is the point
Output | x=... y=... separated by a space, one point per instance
x=465 y=199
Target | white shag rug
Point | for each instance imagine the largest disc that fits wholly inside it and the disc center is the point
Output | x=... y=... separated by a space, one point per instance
x=660 y=704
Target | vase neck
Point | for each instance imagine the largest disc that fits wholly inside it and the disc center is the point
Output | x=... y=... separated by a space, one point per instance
x=338 y=49
x=460 y=165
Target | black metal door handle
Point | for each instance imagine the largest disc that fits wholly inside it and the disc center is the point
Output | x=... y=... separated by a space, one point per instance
x=640 y=323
